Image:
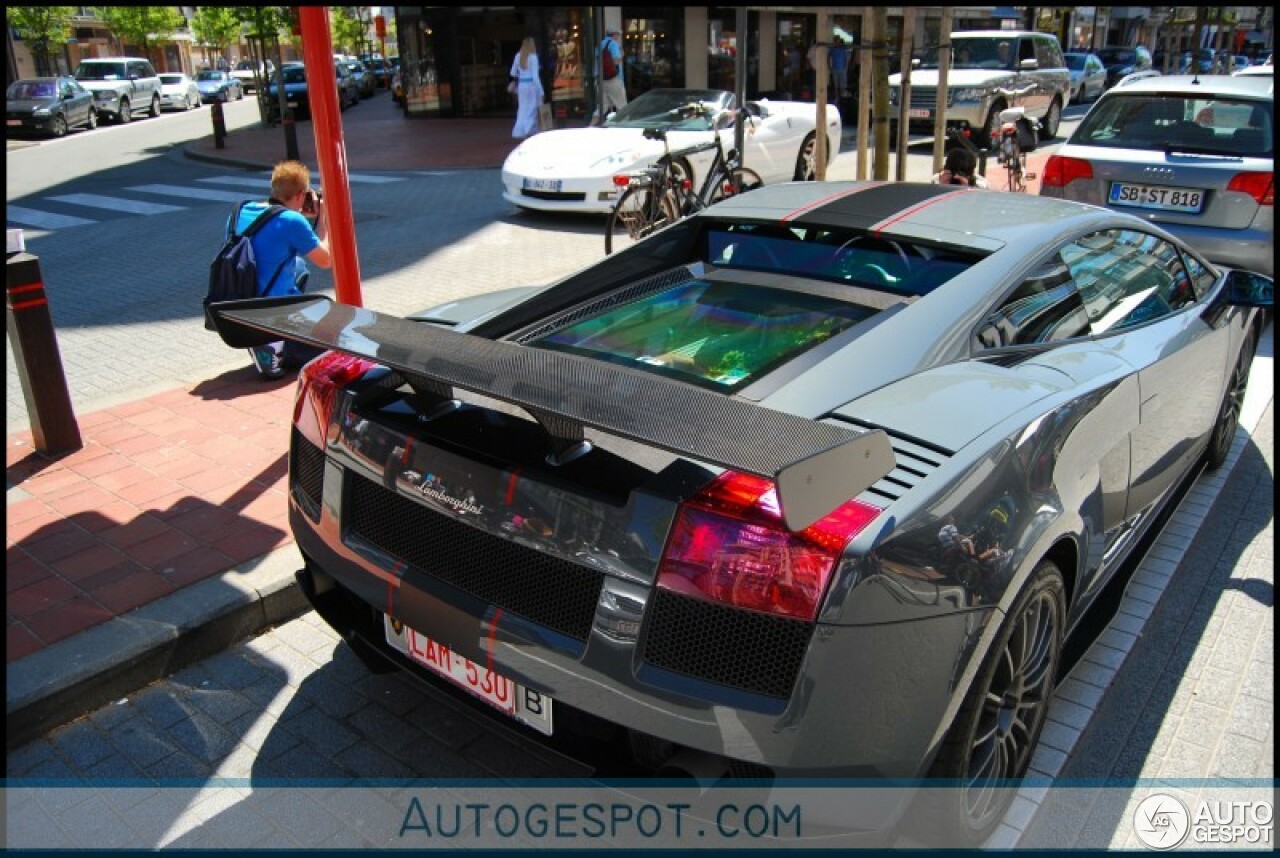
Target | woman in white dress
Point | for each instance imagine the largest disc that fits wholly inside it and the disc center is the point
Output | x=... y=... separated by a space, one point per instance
x=524 y=68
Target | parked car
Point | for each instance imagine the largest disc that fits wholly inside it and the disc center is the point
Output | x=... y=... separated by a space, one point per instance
x=1192 y=154
x=380 y=69
x=573 y=169
x=1124 y=61
x=1138 y=75
x=366 y=85
x=1205 y=59
x=348 y=86
x=1241 y=62
x=813 y=483
x=1088 y=76
x=121 y=86
x=295 y=91
x=984 y=62
x=178 y=92
x=215 y=85
x=248 y=73
x=48 y=105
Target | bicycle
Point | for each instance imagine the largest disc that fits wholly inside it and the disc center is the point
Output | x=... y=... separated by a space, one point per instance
x=662 y=193
x=1016 y=135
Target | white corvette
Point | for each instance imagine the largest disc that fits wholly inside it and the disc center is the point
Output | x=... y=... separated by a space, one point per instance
x=572 y=169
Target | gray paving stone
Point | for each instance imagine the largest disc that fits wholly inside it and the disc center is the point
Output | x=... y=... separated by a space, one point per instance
x=142 y=743
x=81 y=744
x=23 y=759
x=387 y=731
x=373 y=762
x=318 y=728
x=161 y=705
x=334 y=696
x=203 y=737
x=1240 y=757
x=114 y=766
x=222 y=705
x=303 y=761
x=237 y=668
x=178 y=766
x=112 y=715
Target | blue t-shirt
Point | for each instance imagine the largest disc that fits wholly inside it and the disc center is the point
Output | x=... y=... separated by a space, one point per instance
x=615 y=49
x=286 y=236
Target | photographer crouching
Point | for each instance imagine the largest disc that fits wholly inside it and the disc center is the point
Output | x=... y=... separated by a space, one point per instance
x=295 y=227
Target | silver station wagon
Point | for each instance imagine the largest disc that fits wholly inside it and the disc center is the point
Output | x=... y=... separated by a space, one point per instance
x=1194 y=155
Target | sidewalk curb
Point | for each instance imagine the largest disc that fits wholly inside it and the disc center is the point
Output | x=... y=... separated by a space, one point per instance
x=54 y=686
x=192 y=152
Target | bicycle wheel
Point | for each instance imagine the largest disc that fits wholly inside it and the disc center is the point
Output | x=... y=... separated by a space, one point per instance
x=640 y=211
x=743 y=178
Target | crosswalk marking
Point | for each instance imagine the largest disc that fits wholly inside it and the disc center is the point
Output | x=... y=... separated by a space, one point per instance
x=45 y=220
x=239 y=180
x=189 y=193
x=116 y=204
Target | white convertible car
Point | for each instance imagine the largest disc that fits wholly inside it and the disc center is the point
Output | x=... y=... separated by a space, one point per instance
x=572 y=169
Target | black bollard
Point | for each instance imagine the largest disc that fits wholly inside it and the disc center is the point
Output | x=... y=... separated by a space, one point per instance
x=44 y=385
x=219 y=126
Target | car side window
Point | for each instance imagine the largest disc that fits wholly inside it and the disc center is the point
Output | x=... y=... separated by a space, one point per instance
x=1202 y=277
x=1127 y=278
x=1045 y=308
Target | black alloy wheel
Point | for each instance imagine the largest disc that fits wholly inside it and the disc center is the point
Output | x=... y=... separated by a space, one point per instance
x=1224 y=428
x=995 y=733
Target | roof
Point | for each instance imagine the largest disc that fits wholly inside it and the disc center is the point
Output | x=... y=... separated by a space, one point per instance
x=1183 y=84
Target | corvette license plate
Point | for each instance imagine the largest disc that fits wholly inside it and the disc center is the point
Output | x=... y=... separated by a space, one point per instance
x=1154 y=197
x=523 y=704
x=542 y=185
x=13 y=122
x=919 y=113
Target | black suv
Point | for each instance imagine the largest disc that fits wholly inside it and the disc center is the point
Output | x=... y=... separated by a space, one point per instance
x=1123 y=61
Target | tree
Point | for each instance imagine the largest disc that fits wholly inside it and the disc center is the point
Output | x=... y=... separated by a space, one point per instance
x=139 y=25
x=216 y=26
x=42 y=27
x=346 y=29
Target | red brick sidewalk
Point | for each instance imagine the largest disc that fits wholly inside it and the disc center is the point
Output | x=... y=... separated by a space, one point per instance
x=167 y=490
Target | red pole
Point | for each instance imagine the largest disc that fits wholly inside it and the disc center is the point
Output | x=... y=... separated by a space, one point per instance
x=331 y=151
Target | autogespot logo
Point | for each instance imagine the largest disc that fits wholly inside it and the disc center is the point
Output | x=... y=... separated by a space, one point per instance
x=1161 y=821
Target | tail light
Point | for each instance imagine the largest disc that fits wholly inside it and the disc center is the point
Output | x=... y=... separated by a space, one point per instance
x=1260 y=186
x=621 y=181
x=729 y=545
x=318 y=384
x=1061 y=171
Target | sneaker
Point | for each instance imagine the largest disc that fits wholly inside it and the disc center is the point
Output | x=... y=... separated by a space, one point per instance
x=267 y=361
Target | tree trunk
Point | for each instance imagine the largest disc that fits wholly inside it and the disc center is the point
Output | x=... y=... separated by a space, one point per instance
x=880 y=104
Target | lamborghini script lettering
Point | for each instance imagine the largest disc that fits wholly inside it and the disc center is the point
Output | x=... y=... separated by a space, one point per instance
x=459 y=505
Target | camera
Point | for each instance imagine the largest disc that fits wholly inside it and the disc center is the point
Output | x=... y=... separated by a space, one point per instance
x=313 y=198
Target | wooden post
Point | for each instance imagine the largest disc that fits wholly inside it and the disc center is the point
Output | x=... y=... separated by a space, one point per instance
x=820 y=96
x=904 y=96
x=880 y=107
x=864 y=89
x=944 y=72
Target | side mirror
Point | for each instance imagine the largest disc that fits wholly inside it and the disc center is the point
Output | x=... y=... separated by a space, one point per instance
x=915 y=62
x=1029 y=65
x=1246 y=289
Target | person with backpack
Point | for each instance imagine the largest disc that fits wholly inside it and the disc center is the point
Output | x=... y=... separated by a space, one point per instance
x=614 y=90
x=279 y=246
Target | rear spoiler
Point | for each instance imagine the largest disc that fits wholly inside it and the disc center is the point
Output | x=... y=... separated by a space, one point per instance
x=816 y=466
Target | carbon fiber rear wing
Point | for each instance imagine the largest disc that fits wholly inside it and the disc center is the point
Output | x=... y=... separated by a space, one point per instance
x=816 y=466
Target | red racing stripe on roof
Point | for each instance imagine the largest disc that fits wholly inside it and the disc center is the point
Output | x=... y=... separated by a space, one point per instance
x=829 y=199
x=921 y=206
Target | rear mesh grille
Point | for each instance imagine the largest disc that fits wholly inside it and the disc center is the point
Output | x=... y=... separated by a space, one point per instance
x=547 y=590
x=306 y=470
x=728 y=646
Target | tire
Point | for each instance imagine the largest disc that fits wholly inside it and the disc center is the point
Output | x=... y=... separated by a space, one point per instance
x=744 y=178
x=1224 y=426
x=125 y=116
x=91 y=122
x=640 y=211
x=59 y=126
x=1052 y=120
x=999 y=723
x=154 y=110
x=806 y=160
